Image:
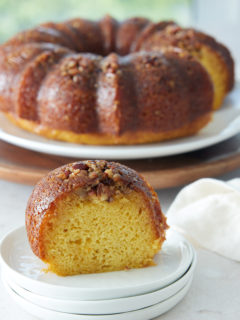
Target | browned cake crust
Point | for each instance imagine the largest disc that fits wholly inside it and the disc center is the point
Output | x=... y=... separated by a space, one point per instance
x=187 y=39
x=114 y=94
x=97 y=177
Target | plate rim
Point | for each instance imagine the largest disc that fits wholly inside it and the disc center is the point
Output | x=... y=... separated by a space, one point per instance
x=141 y=313
x=125 y=303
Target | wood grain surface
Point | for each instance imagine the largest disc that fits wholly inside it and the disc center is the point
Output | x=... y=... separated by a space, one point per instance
x=25 y=166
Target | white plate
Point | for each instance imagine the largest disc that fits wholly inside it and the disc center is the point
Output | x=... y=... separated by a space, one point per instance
x=225 y=124
x=25 y=269
x=104 y=306
x=142 y=314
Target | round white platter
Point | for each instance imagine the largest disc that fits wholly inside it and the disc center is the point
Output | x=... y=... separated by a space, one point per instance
x=104 y=306
x=24 y=268
x=224 y=125
x=142 y=314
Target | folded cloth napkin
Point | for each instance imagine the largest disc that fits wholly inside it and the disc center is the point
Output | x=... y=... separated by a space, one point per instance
x=208 y=212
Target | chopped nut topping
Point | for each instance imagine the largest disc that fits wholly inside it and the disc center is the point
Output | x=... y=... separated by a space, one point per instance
x=109 y=173
x=71 y=64
x=80 y=166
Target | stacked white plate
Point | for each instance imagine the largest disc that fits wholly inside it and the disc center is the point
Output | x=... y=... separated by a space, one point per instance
x=132 y=294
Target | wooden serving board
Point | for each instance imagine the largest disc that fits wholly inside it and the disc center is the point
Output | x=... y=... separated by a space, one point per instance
x=25 y=166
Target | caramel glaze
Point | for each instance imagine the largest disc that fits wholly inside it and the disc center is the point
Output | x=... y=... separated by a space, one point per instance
x=127 y=33
x=14 y=61
x=164 y=92
x=49 y=77
x=89 y=35
x=41 y=34
x=97 y=177
x=188 y=39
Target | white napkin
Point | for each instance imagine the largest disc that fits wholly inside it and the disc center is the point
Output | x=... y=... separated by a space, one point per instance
x=208 y=212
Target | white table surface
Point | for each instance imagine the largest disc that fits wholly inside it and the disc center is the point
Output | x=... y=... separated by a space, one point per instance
x=215 y=291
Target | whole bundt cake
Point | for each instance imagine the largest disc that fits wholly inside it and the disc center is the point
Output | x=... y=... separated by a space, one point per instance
x=111 y=82
x=94 y=216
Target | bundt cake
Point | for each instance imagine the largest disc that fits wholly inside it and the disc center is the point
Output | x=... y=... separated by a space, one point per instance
x=110 y=82
x=94 y=216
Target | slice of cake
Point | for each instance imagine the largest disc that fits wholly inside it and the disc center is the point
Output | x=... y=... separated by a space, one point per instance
x=94 y=216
